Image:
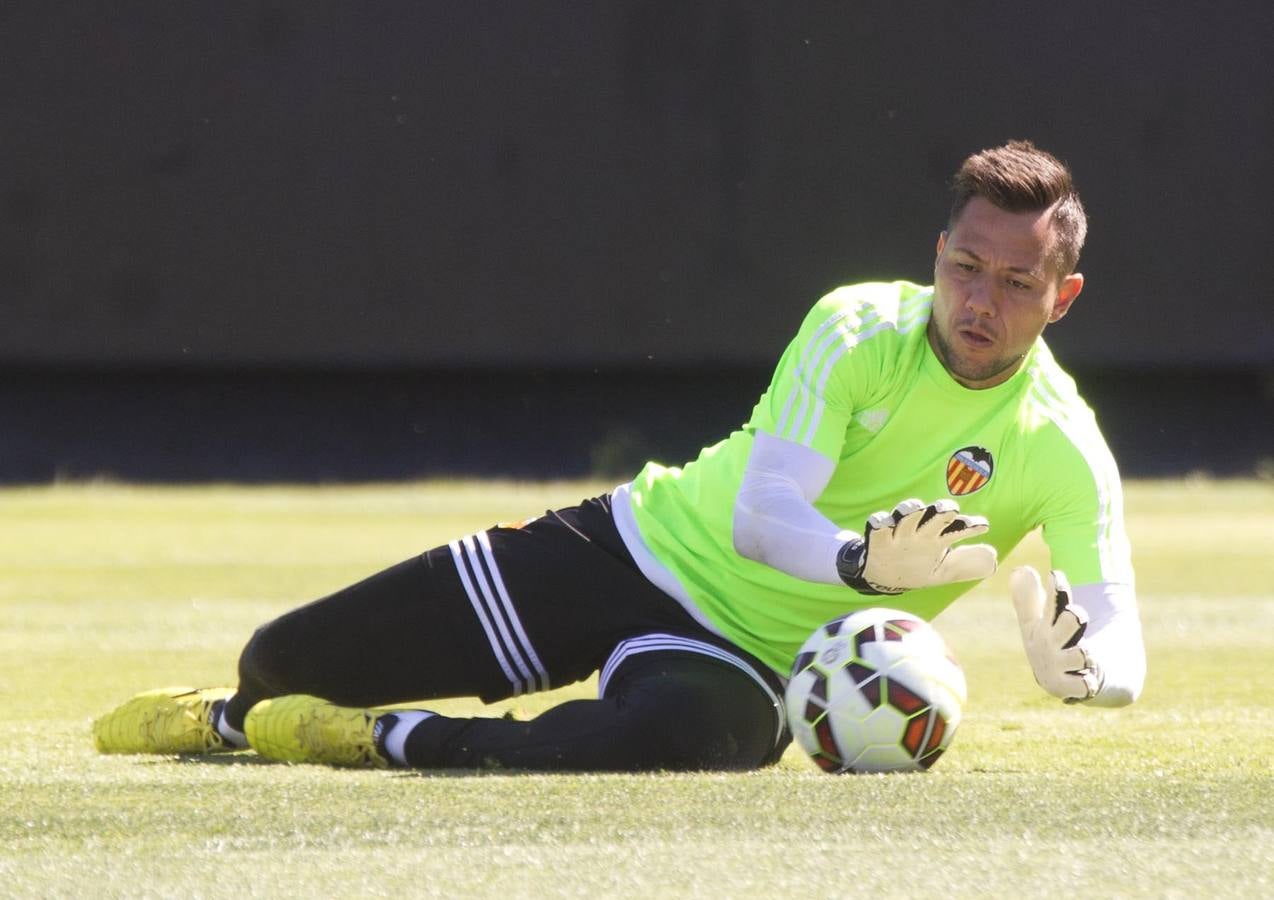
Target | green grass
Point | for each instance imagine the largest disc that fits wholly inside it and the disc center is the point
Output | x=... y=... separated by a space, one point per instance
x=106 y=590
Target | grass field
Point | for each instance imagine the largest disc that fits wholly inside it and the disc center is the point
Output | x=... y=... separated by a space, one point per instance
x=107 y=590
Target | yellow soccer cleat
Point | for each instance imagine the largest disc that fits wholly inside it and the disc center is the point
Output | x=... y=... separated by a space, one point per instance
x=168 y=720
x=304 y=729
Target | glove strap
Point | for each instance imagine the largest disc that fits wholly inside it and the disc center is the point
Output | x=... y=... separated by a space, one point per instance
x=851 y=563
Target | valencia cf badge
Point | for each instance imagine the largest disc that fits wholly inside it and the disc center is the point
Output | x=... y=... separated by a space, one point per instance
x=968 y=470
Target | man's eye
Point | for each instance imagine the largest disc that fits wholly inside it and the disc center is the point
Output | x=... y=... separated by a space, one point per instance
x=965 y=267
x=1019 y=285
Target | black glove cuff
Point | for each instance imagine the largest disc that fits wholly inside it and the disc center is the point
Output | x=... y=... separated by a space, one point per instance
x=850 y=563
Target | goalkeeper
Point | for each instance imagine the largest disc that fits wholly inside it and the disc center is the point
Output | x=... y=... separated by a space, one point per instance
x=690 y=589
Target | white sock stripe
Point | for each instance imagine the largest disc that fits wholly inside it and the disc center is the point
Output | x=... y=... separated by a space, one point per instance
x=489 y=555
x=396 y=740
x=484 y=579
x=652 y=642
x=462 y=568
x=228 y=732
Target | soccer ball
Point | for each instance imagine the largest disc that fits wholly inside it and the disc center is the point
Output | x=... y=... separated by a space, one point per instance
x=876 y=690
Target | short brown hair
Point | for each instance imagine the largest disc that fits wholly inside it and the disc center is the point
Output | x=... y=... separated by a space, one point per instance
x=1020 y=177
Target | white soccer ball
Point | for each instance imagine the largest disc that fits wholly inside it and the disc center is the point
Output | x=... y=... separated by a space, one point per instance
x=876 y=690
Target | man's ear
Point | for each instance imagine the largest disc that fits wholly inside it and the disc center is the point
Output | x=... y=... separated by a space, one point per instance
x=942 y=242
x=1070 y=288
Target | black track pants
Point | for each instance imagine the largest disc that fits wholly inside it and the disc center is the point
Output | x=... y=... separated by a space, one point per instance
x=513 y=610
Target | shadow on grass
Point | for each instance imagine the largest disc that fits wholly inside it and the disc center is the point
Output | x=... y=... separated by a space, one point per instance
x=249 y=758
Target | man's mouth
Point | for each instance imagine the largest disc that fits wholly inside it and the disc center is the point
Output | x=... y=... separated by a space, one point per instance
x=975 y=338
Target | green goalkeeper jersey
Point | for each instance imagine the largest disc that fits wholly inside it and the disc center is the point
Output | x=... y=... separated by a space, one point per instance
x=860 y=385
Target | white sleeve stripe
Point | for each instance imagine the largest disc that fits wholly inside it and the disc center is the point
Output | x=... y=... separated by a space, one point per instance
x=827 y=365
x=781 y=424
x=799 y=381
x=654 y=642
x=824 y=349
x=814 y=347
x=807 y=436
x=915 y=314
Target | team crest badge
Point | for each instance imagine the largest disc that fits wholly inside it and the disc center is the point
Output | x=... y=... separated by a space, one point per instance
x=968 y=470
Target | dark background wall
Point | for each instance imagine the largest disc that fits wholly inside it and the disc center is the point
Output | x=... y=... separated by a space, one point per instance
x=339 y=240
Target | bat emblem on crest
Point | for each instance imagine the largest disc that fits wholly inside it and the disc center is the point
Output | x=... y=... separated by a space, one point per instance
x=968 y=469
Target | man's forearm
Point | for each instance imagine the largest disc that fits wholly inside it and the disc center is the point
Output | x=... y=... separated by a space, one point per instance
x=1113 y=639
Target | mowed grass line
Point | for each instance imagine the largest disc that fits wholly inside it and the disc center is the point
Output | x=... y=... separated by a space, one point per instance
x=107 y=589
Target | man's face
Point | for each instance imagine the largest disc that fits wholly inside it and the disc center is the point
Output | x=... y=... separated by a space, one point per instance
x=995 y=289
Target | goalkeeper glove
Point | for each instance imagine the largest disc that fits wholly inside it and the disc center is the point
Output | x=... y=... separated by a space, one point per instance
x=911 y=548
x=1051 y=633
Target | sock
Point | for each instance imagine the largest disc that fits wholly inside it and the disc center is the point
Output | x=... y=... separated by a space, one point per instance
x=394 y=737
x=231 y=735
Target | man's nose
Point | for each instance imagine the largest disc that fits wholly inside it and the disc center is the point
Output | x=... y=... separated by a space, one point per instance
x=981 y=298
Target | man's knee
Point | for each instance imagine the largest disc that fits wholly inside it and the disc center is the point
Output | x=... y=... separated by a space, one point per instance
x=269 y=661
x=687 y=713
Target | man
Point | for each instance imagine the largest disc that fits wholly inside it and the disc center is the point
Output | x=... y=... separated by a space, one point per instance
x=691 y=589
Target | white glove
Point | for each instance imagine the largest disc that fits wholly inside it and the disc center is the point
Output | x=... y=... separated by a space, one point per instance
x=912 y=548
x=1051 y=634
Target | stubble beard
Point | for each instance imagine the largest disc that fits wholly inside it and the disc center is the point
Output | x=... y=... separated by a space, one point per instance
x=967 y=373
